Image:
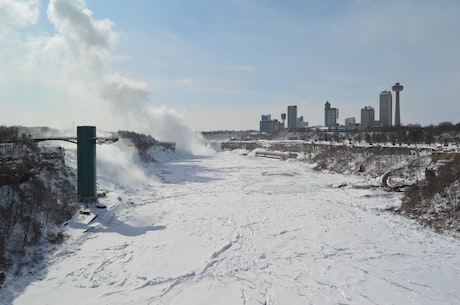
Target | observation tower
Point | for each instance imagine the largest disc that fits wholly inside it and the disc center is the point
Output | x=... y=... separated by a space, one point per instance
x=397 y=88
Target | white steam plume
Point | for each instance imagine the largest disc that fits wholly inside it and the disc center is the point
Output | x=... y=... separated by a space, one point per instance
x=71 y=68
x=18 y=13
x=130 y=105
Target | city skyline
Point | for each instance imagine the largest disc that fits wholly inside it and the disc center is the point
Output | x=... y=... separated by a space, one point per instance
x=331 y=114
x=219 y=66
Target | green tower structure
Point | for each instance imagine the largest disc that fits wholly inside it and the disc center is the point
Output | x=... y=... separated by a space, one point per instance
x=86 y=162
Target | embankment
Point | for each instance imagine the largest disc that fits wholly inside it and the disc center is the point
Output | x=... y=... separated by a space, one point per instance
x=348 y=159
x=431 y=176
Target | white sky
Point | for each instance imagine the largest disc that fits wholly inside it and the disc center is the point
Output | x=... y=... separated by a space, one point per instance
x=220 y=65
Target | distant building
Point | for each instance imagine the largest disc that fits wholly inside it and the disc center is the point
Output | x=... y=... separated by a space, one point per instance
x=367 y=116
x=283 y=118
x=292 y=117
x=266 y=124
x=350 y=121
x=386 y=109
x=266 y=117
x=300 y=122
x=330 y=115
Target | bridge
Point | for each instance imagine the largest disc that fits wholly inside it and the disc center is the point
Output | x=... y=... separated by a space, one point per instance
x=86 y=141
x=99 y=140
x=74 y=140
x=104 y=140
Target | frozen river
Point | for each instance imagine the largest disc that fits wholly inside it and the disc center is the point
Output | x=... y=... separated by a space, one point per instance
x=233 y=229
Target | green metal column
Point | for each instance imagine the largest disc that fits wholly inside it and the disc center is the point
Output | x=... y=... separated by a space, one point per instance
x=86 y=162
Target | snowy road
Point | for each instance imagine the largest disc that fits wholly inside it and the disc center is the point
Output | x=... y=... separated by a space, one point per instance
x=231 y=229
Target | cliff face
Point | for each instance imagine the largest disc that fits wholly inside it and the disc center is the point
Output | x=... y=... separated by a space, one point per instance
x=372 y=161
x=36 y=194
x=18 y=162
x=433 y=198
x=346 y=159
x=436 y=201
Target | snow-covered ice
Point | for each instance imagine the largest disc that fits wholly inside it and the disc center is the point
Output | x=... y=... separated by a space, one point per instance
x=232 y=229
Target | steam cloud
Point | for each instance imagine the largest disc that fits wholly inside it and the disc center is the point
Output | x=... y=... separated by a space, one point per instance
x=18 y=13
x=72 y=68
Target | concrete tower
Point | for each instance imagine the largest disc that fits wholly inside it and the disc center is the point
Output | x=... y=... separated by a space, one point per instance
x=397 y=88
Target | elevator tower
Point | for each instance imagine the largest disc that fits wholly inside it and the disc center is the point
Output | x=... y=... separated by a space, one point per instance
x=397 y=88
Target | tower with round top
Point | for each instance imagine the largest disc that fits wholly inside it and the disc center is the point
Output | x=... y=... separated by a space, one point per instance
x=397 y=88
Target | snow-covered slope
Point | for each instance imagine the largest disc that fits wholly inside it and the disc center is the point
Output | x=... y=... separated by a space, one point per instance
x=234 y=229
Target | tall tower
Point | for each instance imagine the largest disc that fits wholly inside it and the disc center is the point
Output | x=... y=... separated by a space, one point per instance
x=367 y=116
x=292 y=117
x=397 y=88
x=386 y=110
x=327 y=108
x=86 y=162
x=330 y=115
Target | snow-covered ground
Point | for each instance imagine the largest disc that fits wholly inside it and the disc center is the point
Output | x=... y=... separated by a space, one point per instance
x=227 y=228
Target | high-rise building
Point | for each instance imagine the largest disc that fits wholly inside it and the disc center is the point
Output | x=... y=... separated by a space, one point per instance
x=367 y=116
x=266 y=117
x=330 y=115
x=386 y=109
x=350 y=121
x=292 y=117
x=266 y=124
x=301 y=123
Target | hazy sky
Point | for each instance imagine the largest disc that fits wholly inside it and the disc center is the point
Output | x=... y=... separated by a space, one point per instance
x=221 y=64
